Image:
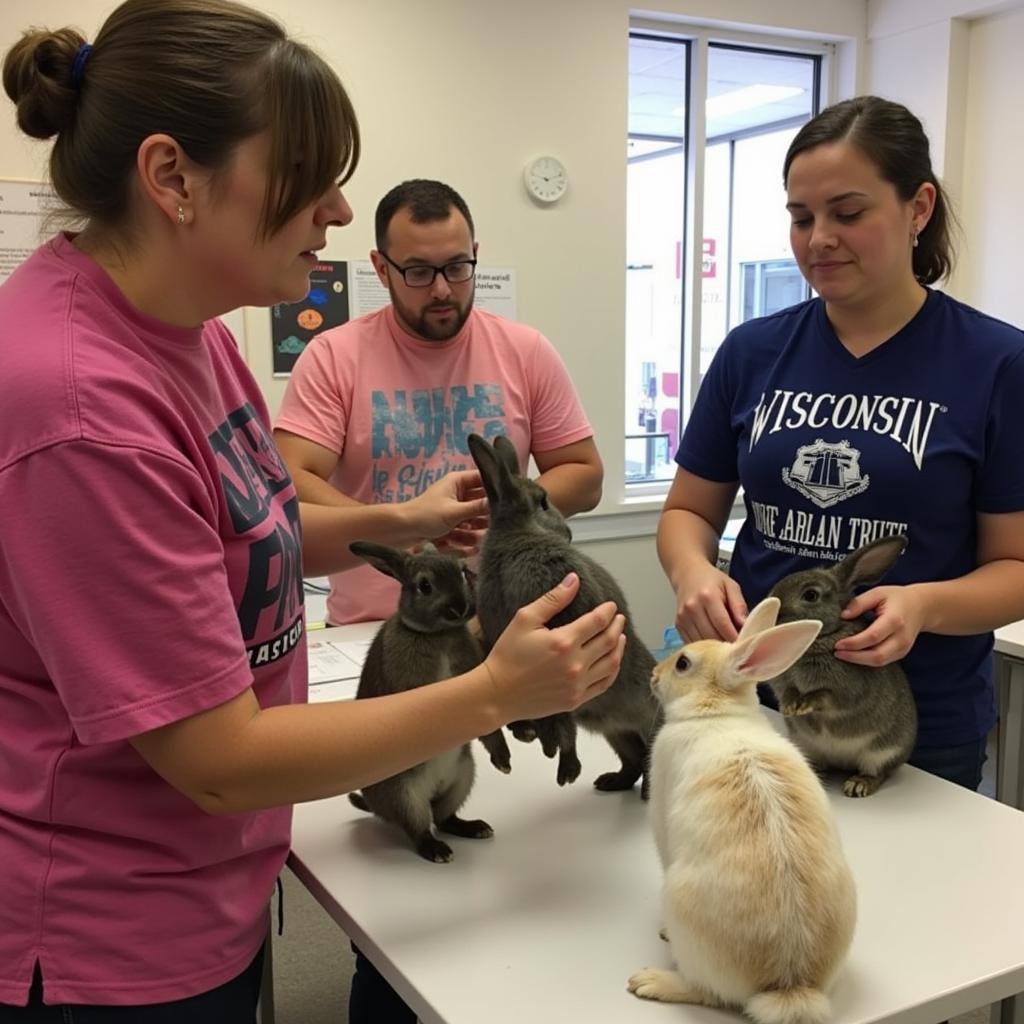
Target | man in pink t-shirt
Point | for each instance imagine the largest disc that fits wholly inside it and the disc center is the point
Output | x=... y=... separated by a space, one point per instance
x=380 y=407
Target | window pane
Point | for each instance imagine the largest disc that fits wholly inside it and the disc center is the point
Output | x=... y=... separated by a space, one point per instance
x=656 y=190
x=757 y=101
x=762 y=221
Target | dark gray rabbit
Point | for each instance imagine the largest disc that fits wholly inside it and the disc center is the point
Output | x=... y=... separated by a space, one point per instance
x=528 y=551
x=842 y=715
x=426 y=640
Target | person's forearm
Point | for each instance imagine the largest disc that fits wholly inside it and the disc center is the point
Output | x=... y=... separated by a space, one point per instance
x=317 y=491
x=573 y=487
x=990 y=596
x=303 y=752
x=328 y=531
x=683 y=539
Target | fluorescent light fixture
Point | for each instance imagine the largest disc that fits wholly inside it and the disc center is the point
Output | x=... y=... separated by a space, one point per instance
x=748 y=97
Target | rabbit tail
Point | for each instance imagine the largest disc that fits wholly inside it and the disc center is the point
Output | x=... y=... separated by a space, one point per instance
x=358 y=800
x=800 y=1005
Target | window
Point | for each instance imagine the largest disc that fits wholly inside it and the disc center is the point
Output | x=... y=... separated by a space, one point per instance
x=707 y=229
x=769 y=286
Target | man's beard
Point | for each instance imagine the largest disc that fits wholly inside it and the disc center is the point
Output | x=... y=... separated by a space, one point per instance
x=431 y=330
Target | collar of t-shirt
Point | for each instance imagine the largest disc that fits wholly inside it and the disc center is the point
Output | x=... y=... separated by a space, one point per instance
x=403 y=337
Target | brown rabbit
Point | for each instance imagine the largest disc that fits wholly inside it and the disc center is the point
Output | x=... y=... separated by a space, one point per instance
x=842 y=715
x=426 y=640
x=526 y=552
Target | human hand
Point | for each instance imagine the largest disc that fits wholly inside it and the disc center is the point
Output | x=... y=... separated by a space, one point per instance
x=709 y=605
x=899 y=616
x=467 y=538
x=538 y=671
x=449 y=512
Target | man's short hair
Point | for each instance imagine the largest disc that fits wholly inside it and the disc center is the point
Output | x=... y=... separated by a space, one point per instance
x=427 y=200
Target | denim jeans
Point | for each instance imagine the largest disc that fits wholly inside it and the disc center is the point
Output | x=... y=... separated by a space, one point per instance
x=961 y=764
x=372 y=1000
x=234 y=1001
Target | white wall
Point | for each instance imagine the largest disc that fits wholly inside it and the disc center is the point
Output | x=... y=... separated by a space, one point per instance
x=955 y=63
x=991 y=208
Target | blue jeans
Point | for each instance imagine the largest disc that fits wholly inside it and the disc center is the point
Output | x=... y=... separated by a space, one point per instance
x=234 y=1001
x=961 y=764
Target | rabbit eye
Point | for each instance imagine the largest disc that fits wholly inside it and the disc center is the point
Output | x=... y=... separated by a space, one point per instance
x=424 y=587
x=544 y=502
x=682 y=663
x=810 y=595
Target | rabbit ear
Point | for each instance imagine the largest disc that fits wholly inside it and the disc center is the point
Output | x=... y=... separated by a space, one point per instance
x=868 y=564
x=761 y=618
x=768 y=654
x=506 y=451
x=493 y=470
x=389 y=561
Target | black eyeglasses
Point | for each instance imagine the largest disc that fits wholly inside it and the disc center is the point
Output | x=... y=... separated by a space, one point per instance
x=422 y=274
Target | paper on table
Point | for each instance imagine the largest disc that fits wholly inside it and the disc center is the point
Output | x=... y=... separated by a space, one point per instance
x=327 y=663
x=355 y=650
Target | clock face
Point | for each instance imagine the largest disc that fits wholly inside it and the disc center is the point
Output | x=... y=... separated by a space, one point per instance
x=546 y=179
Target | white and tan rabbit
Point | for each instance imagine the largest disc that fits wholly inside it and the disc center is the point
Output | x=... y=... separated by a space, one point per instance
x=842 y=715
x=758 y=902
x=526 y=552
x=427 y=639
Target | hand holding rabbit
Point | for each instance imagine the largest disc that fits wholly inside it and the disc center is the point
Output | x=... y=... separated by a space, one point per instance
x=898 y=619
x=709 y=604
x=527 y=655
x=448 y=505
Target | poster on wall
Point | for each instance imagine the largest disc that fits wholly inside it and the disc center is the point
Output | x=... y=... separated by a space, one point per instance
x=293 y=324
x=339 y=291
x=24 y=207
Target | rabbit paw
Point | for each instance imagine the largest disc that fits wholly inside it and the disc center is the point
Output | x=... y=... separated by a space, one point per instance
x=569 y=767
x=433 y=849
x=502 y=760
x=525 y=732
x=799 y=708
x=613 y=782
x=663 y=986
x=861 y=785
x=549 y=744
x=474 y=829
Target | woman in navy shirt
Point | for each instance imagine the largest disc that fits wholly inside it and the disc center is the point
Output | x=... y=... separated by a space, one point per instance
x=880 y=406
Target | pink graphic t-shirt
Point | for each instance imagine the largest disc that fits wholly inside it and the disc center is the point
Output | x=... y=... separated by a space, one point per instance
x=150 y=569
x=398 y=409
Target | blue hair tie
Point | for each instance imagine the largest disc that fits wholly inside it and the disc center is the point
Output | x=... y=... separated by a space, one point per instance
x=78 y=68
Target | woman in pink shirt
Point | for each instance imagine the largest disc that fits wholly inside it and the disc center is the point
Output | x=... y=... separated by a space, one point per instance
x=153 y=724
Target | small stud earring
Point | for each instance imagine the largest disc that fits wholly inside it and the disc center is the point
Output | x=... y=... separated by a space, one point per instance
x=181 y=219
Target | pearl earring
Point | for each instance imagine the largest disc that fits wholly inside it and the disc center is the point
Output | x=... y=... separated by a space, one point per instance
x=914 y=243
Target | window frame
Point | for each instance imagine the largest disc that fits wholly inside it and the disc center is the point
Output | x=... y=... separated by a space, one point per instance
x=700 y=38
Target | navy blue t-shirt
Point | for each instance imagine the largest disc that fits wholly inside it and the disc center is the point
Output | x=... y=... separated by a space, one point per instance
x=832 y=451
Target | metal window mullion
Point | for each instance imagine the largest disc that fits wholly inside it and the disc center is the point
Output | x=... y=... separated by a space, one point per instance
x=694 y=227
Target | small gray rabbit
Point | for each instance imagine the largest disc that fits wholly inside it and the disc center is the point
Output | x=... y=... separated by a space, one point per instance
x=528 y=551
x=842 y=715
x=426 y=640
